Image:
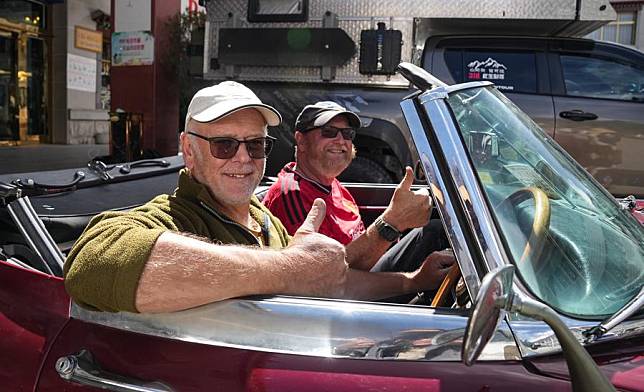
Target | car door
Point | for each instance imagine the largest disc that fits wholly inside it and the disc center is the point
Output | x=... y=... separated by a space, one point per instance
x=599 y=101
x=271 y=344
x=33 y=309
x=517 y=66
x=282 y=344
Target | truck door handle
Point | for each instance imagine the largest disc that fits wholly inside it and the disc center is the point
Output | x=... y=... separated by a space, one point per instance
x=577 y=115
x=81 y=368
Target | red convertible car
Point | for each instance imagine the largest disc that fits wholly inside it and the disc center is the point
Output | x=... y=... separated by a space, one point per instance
x=507 y=195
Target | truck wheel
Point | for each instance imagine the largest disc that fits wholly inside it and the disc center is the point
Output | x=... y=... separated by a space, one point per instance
x=365 y=170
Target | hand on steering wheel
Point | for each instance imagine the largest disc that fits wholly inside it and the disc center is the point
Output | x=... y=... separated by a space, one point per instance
x=533 y=247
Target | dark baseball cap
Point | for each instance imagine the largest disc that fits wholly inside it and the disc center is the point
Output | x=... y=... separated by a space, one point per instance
x=320 y=113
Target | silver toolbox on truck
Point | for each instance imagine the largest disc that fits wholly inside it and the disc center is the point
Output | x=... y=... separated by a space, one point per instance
x=296 y=52
x=295 y=36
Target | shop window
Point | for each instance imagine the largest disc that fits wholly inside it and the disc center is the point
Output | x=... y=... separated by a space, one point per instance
x=621 y=30
x=36 y=87
x=21 y=11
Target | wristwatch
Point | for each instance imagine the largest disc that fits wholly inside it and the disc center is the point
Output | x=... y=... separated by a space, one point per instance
x=386 y=231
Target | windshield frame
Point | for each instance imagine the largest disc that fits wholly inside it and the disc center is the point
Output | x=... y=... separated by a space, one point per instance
x=433 y=137
x=585 y=192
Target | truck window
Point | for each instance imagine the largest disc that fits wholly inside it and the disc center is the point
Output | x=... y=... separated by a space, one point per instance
x=509 y=71
x=586 y=76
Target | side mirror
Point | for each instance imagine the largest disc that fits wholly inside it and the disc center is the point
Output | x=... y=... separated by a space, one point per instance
x=496 y=296
x=489 y=310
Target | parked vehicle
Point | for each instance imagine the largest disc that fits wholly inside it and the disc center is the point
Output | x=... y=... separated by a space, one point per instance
x=588 y=95
x=507 y=195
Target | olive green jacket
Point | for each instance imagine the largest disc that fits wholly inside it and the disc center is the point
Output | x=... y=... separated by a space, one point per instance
x=103 y=268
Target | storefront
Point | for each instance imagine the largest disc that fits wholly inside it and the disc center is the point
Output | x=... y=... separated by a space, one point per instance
x=24 y=91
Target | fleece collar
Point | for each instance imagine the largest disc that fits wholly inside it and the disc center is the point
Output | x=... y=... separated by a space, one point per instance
x=192 y=190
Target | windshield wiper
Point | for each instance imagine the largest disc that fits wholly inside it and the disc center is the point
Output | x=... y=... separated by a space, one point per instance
x=622 y=314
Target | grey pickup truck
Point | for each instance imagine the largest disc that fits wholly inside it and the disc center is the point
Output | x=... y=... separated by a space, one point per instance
x=587 y=95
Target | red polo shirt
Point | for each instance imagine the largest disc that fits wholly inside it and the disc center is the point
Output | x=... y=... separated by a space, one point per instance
x=292 y=196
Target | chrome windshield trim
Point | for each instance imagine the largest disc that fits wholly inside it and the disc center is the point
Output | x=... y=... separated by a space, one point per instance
x=464 y=180
x=314 y=327
x=446 y=209
x=445 y=91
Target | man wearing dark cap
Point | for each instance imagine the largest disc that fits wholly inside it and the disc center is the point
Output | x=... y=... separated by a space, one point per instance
x=212 y=239
x=324 y=134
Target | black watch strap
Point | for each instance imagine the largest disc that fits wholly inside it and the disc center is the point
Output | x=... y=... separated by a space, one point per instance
x=386 y=231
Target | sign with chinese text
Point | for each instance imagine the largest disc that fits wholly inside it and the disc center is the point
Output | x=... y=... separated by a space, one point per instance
x=132 y=48
x=87 y=39
x=81 y=73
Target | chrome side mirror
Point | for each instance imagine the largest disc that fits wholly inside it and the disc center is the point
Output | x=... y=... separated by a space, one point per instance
x=495 y=297
x=489 y=310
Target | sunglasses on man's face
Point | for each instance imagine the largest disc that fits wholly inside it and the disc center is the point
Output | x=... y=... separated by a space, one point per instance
x=226 y=147
x=331 y=132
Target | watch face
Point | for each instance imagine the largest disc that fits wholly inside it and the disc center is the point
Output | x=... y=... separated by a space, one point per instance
x=386 y=231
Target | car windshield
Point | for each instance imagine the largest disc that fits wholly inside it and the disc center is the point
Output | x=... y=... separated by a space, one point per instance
x=572 y=244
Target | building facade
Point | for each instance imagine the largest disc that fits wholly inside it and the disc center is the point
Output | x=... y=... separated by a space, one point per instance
x=628 y=29
x=61 y=82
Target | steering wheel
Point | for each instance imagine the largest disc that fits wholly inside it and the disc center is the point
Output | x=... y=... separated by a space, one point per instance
x=533 y=247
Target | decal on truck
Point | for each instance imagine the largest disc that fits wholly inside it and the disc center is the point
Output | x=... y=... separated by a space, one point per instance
x=512 y=71
x=488 y=69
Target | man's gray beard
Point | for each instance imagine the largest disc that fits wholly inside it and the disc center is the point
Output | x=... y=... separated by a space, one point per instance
x=336 y=166
x=244 y=198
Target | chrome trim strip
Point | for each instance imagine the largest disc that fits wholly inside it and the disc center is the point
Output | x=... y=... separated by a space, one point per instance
x=465 y=86
x=315 y=327
x=446 y=209
x=464 y=179
x=536 y=338
x=33 y=230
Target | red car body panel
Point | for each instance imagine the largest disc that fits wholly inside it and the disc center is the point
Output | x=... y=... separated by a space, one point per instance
x=622 y=362
x=34 y=307
x=188 y=366
x=35 y=330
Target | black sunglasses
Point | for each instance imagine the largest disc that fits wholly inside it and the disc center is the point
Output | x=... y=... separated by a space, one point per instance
x=226 y=147
x=331 y=132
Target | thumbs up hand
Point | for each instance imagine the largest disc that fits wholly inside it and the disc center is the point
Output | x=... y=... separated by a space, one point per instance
x=318 y=262
x=408 y=209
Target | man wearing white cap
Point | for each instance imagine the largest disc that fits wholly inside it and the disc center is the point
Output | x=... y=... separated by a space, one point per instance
x=212 y=239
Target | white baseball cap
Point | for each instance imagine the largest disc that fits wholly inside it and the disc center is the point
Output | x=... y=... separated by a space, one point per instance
x=218 y=101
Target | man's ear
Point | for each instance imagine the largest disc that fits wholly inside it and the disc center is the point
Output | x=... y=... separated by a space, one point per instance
x=299 y=141
x=186 y=149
